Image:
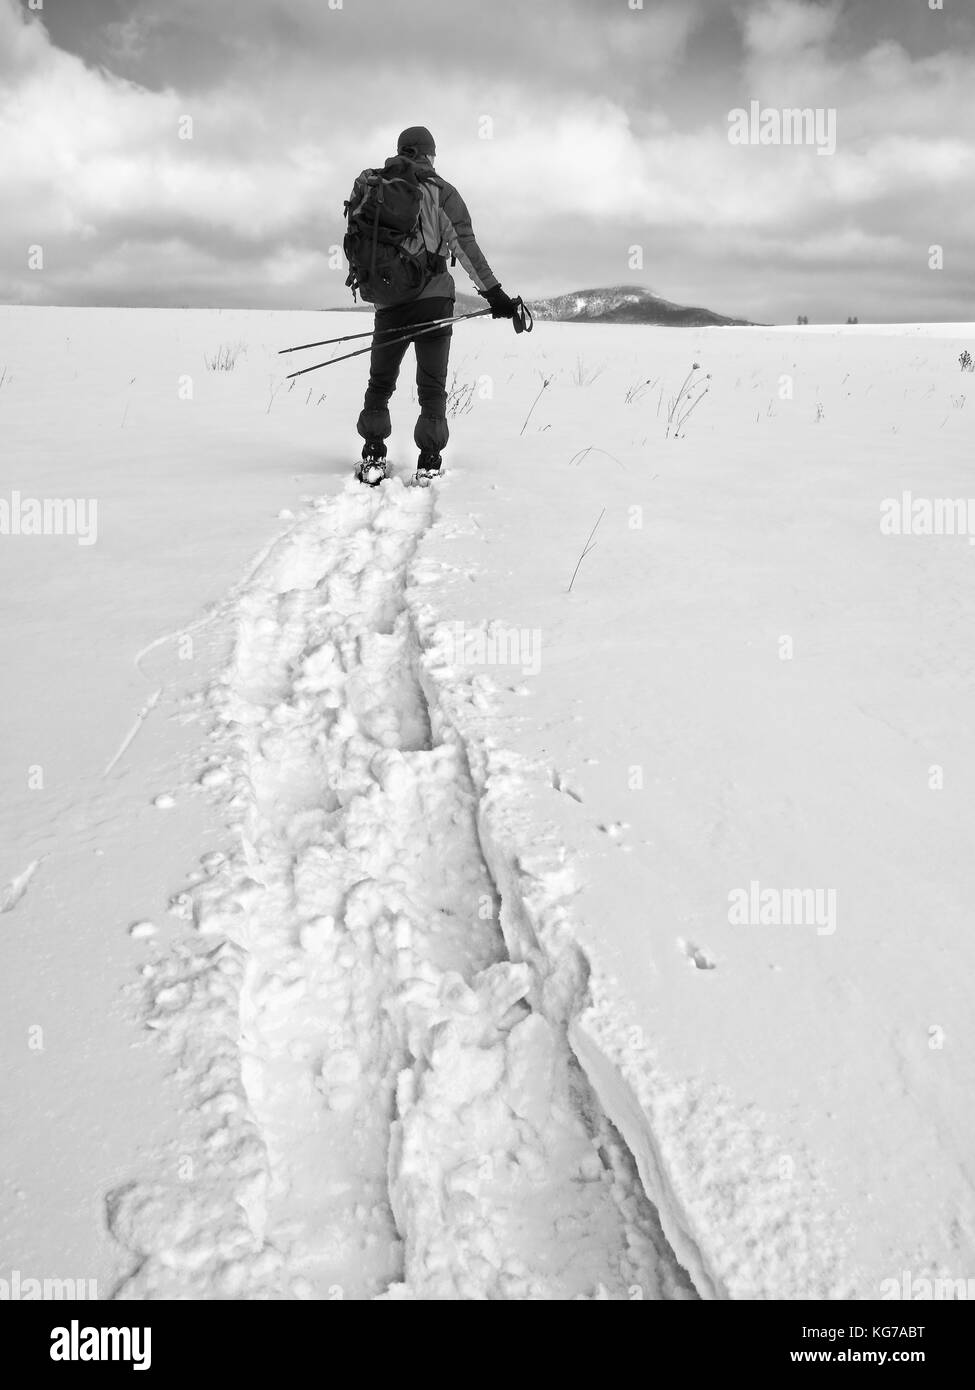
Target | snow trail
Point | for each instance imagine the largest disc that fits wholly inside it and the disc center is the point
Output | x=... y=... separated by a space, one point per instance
x=424 y=1133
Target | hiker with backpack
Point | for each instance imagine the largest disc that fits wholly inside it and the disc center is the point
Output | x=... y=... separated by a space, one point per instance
x=402 y=222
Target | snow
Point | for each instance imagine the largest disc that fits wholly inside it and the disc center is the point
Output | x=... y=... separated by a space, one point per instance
x=425 y=984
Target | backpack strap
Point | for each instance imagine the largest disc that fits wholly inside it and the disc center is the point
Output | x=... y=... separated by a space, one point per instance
x=375 y=231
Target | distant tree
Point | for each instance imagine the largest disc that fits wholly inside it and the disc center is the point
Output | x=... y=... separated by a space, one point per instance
x=853 y=320
x=803 y=318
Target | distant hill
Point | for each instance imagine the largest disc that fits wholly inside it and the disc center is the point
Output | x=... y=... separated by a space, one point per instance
x=624 y=304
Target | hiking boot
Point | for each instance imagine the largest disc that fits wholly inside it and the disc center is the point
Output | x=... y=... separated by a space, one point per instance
x=427 y=467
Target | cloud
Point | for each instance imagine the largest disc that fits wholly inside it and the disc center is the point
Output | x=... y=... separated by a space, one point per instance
x=786 y=27
x=23 y=45
x=127 y=41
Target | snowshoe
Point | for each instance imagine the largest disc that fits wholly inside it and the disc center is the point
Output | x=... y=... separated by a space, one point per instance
x=427 y=468
x=373 y=469
x=372 y=472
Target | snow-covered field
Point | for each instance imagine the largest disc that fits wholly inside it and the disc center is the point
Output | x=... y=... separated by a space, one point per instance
x=382 y=919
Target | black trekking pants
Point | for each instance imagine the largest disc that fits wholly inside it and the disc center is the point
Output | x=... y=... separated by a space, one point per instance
x=432 y=352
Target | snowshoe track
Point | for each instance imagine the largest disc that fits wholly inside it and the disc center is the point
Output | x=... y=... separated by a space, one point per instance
x=400 y=1123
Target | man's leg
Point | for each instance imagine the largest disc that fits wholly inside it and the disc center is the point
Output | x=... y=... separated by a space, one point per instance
x=432 y=355
x=384 y=365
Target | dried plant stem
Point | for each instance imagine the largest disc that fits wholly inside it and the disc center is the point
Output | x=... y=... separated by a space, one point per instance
x=546 y=381
x=590 y=543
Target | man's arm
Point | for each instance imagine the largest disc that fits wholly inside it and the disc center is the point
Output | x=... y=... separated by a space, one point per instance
x=456 y=225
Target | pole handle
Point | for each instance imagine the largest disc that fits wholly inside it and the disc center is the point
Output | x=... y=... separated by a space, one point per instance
x=522 y=317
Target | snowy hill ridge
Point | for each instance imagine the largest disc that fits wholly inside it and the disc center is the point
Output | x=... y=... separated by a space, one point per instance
x=618 y=304
x=628 y=304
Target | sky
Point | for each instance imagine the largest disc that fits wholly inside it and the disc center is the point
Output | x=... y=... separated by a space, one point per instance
x=198 y=152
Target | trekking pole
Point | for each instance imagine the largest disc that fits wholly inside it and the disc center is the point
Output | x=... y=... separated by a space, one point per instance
x=350 y=337
x=404 y=337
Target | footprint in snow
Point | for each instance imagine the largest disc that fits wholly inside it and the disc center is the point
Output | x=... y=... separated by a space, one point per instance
x=561 y=785
x=698 y=956
x=615 y=831
x=17 y=887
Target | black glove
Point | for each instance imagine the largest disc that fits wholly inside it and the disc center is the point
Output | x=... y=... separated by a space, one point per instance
x=502 y=307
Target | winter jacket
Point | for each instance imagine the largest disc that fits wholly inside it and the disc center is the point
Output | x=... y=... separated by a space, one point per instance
x=446 y=226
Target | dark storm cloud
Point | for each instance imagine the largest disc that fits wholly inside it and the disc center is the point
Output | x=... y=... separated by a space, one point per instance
x=185 y=43
x=599 y=44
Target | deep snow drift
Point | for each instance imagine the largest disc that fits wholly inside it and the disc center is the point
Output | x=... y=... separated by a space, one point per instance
x=381 y=919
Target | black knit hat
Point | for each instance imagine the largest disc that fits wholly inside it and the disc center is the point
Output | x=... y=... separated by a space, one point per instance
x=417 y=140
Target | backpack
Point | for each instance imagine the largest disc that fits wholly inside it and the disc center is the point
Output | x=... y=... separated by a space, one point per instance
x=389 y=262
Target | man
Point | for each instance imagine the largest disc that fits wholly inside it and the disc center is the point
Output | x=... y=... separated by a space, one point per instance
x=446 y=226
